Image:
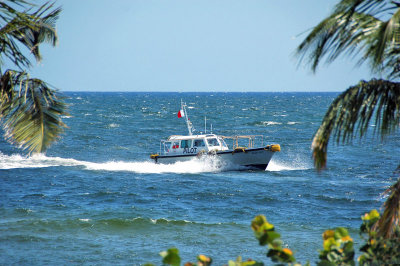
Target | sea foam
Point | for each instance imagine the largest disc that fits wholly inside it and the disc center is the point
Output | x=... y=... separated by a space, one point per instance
x=41 y=161
x=207 y=164
x=293 y=165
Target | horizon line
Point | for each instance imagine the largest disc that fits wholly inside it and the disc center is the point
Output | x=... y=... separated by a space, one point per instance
x=208 y=91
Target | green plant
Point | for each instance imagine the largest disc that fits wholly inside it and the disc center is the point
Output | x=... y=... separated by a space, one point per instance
x=337 y=245
x=30 y=109
x=266 y=235
x=338 y=248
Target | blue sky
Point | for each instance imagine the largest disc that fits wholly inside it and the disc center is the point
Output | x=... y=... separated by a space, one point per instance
x=189 y=45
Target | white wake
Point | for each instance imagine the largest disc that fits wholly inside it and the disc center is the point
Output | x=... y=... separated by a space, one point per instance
x=206 y=164
x=41 y=161
x=291 y=165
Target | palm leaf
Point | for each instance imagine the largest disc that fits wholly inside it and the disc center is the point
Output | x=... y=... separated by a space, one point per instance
x=386 y=226
x=336 y=35
x=357 y=27
x=29 y=28
x=30 y=111
x=41 y=30
x=352 y=111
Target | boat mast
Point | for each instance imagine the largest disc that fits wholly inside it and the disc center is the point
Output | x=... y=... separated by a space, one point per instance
x=188 y=123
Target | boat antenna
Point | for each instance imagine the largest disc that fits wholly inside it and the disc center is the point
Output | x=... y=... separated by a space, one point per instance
x=187 y=120
x=205 y=125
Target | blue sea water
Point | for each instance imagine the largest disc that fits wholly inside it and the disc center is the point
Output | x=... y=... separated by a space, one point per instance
x=95 y=198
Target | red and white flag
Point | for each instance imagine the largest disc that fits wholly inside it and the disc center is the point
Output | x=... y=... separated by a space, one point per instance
x=181 y=113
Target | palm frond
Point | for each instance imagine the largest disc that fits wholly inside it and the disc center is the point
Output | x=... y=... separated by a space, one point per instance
x=336 y=35
x=383 y=42
x=373 y=7
x=29 y=28
x=40 y=29
x=352 y=111
x=389 y=221
x=370 y=29
x=30 y=111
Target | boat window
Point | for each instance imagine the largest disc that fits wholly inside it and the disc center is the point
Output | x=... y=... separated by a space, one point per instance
x=213 y=142
x=198 y=143
x=223 y=143
x=175 y=145
x=186 y=143
x=167 y=146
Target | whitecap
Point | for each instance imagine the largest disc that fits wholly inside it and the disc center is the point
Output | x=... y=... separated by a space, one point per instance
x=270 y=123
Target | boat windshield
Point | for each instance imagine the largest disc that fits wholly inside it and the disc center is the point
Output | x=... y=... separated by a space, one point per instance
x=212 y=142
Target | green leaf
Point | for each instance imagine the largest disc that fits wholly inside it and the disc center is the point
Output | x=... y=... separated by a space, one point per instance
x=368 y=28
x=352 y=111
x=326 y=263
x=341 y=232
x=30 y=111
x=171 y=257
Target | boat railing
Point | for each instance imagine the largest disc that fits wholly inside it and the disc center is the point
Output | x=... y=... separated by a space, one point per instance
x=251 y=140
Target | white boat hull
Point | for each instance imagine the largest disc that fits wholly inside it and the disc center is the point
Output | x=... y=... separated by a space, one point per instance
x=254 y=158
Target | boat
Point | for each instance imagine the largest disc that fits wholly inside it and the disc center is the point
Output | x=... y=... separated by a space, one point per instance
x=243 y=152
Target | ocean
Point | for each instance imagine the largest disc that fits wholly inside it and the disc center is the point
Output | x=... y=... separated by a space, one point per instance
x=96 y=198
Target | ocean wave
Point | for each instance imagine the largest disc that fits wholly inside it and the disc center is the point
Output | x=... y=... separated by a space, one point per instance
x=113 y=125
x=107 y=224
x=23 y=210
x=338 y=199
x=267 y=123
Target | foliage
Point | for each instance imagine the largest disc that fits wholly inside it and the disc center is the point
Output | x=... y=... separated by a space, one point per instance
x=389 y=222
x=249 y=262
x=366 y=27
x=358 y=27
x=171 y=257
x=353 y=110
x=266 y=235
x=378 y=249
x=30 y=109
x=31 y=112
x=369 y=28
x=338 y=248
